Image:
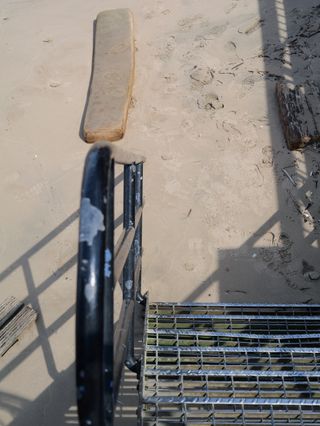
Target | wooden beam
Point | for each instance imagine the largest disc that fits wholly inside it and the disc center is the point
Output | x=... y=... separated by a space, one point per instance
x=10 y=333
x=8 y=308
x=299 y=107
x=112 y=76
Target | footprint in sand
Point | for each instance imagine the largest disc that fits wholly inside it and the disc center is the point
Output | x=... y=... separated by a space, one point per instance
x=201 y=76
x=246 y=137
x=211 y=33
x=187 y=23
x=216 y=30
x=165 y=54
x=210 y=102
x=248 y=83
x=267 y=156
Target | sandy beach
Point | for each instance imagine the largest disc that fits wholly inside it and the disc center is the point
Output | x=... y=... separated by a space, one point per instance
x=230 y=213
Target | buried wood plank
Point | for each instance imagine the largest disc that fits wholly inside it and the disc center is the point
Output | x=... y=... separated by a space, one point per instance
x=11 y=332
x=112 y=76
x=8 y=308
x=299 y=112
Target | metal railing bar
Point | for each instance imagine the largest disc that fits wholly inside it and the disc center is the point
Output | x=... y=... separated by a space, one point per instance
x=137 y=271
x=123 y=246
x=230 y=349
x=129 y=213
x=94 y=323
x=233 y=401
x=120 y=342
x=121 y=256
x=290 y=318
x=188 y=332
x=229 y=373
x=120 y=242
x=108 y=314
x=240 y=305
x=138 y=235
x=138 y=216
x=102 y=348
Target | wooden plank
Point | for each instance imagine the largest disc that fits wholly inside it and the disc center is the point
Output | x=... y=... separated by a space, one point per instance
x=299 y=113
x=11 y=332
x=112 y=76
x=8 y=308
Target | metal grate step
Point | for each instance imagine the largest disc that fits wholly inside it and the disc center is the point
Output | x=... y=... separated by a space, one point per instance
x=231 y=364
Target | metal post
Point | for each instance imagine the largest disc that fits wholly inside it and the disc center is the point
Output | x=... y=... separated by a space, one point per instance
x=138 y=237
x=128 y=270
x=94 y=317
x=108 y=329
x=128 y=222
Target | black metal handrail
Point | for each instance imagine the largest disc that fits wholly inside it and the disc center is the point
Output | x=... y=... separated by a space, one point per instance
x=101 y=348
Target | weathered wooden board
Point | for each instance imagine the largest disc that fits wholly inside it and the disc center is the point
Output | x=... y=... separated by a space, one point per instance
x=8 y=308
x=112 y=76
x=11 y=331
x=299 y=107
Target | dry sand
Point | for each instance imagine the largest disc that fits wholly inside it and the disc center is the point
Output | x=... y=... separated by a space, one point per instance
x=222 y=222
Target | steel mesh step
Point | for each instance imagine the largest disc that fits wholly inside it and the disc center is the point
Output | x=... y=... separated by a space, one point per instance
x=210 y=364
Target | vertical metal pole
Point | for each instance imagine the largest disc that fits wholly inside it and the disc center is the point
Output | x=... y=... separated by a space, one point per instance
x=128 y=270
x=108 y=329
x=94 y=318
x=138 y=238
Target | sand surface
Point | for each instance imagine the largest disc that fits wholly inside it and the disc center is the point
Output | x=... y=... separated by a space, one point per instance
x=222 y=222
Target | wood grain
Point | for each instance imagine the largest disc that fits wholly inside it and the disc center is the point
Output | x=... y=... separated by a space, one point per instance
x=112 y=76
x=11 y=332
x=299 y=113
x=8 y=308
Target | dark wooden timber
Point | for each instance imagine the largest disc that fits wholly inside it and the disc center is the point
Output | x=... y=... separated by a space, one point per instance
x=16 y=318
x=299 y=107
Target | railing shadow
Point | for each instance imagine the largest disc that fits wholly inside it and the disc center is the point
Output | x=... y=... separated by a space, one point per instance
x=34 y=292
x=128 y=398
x=276 y=270
x=59 y=397
x=36 y=411
x=54 y=406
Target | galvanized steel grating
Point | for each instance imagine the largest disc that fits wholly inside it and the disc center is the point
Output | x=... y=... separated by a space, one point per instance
x=231 y=364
